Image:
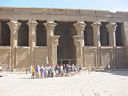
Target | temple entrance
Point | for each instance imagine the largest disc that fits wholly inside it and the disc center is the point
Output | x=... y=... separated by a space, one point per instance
x=66 y=51
x=66 y=61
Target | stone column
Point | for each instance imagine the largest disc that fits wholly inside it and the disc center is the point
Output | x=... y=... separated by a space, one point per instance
x=96 y=34
x=52 y=42
x=126 y=37
x=14 y=27
x=125 y=40
x=79 y=42
x=32 y=39
x=97 y=43
x=112 y=38
x=0 y=33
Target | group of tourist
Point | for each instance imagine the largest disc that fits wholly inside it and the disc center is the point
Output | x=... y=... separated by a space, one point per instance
x=38 y=71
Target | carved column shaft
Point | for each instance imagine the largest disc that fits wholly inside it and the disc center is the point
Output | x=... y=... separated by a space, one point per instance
x=14 y=27
x=32 y=39
x=112 y=38
x=79 y=42
x=0 y=32
x=125 y=40
x=97 y=43
x=32 y=33
x=96 y=32
x=54 y=49
x=52 y=42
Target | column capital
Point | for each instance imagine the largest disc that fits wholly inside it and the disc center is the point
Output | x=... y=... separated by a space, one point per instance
x=80 y=26
x=96 y=24
x=50 y=26
x=14 y=25
x=32 y=22
x=111 y=27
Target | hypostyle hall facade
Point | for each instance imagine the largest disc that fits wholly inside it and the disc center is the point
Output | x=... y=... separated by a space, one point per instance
x=63 y=36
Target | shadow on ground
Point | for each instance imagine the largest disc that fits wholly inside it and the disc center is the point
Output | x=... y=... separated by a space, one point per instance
x=123 y=72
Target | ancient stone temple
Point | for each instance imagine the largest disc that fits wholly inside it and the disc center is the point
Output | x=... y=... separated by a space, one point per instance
x=63 y=36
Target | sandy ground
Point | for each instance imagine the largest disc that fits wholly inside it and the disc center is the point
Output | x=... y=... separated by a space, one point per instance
x=114 y=83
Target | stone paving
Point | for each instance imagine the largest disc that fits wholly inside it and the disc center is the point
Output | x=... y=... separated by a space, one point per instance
x=114 y=83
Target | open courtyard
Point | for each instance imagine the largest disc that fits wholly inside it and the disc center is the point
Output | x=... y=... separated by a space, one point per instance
x=113 y=83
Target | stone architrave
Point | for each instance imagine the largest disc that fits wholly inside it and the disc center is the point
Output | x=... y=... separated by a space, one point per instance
x=97 y=43
x=112 y=38
x=79 y=42
x=32 y=39
x=51 y=42
x=14 y=27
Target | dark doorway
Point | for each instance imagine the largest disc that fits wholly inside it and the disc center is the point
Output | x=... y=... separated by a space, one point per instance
x=41 y=34
x=66 y=51
x=23 y=34
x=5 y=33
x=88 y=34
x=104 y=38
x=119 y=33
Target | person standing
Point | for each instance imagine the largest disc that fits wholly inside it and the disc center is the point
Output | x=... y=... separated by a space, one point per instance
x=33 y=72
